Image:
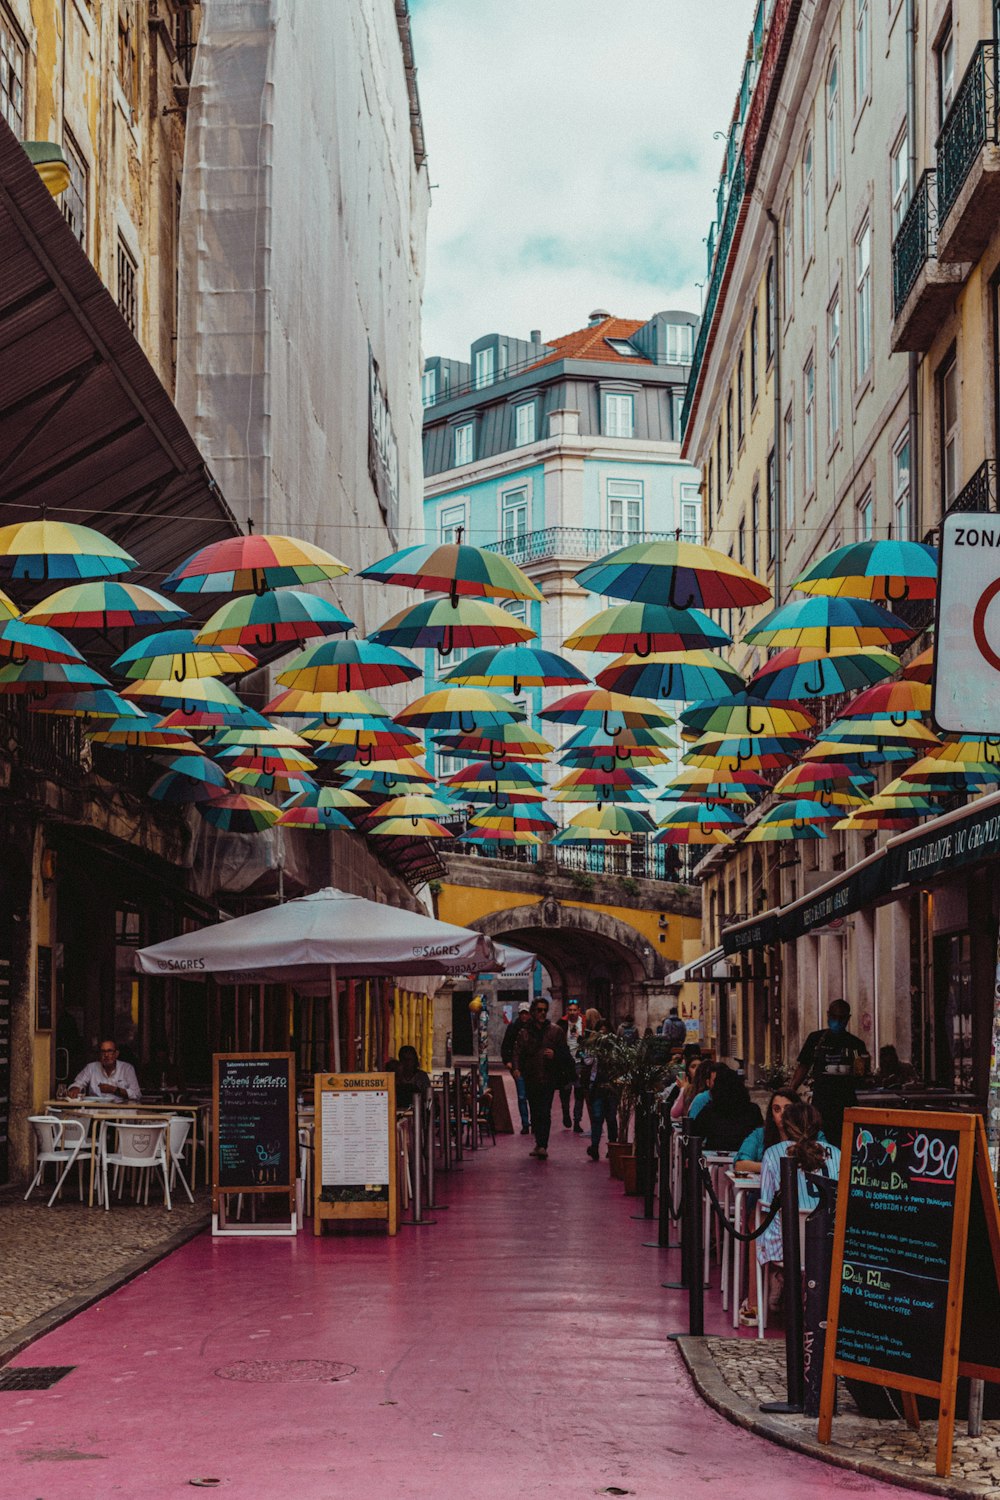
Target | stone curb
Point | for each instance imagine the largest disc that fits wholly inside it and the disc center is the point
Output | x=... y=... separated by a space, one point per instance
x=63 y=1311
x=713 y=1389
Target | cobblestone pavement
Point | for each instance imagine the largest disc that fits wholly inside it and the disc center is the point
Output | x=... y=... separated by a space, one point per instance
x=50 y=1255
x=754 y=1371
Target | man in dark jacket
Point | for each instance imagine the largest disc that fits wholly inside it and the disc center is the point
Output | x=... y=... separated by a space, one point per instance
x=510 y=1036
x=542 y=1059
x=833 y=1060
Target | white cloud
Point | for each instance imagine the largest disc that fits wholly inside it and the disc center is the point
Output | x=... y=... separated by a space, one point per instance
x=572 y=146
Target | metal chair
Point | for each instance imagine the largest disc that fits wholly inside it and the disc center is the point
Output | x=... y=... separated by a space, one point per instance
x=60 y=1141
x=138 y=1143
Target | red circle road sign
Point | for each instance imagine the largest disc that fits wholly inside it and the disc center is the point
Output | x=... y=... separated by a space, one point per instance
x=979 y=625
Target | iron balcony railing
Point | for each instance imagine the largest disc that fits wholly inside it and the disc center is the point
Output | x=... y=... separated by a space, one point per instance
x=573 y=542
x=639 y=860
x=971 y=124
x=981 y=491
x=916 y=241
x=472 y=387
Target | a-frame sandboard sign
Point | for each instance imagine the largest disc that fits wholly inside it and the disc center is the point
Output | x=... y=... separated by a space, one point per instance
x=915 y=1282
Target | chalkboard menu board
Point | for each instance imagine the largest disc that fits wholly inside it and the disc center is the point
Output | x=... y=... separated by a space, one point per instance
x=253 y=1099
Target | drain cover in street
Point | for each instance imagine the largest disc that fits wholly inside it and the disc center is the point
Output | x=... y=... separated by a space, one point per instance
x=32 y=1377
x=286 y=1371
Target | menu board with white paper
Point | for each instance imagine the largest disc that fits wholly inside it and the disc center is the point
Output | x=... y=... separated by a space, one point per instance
x=355 y=1140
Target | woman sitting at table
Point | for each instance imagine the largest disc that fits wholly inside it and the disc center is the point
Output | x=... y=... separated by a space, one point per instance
x=730 y=1114
x=751 y=1153
x=804 y=1142
x=699 y=1093
x=410 y=1078
x=109 y=1079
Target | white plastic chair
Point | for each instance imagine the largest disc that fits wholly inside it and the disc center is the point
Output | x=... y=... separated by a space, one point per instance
x=764 y=1271
x=177 y=1140
x=59 y=1141
x=138 y=1143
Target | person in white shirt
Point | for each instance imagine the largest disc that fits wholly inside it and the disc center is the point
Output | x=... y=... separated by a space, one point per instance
x=108 y=1079
x=572 y=1024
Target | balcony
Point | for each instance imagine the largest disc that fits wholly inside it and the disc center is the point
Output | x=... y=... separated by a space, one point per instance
x=981 y=491
x=574 y=543
x=922 y=288
x=968 y=163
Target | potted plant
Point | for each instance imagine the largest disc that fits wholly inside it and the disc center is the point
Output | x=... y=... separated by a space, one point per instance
x=638 y=1071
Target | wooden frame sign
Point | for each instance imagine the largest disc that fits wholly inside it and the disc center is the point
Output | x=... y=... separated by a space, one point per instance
x=254 y=1135
x=354 y=1153
x=915 y=1282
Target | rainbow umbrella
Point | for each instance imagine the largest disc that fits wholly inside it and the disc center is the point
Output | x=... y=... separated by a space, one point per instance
x=237 y=812
x=21 y=643
x=827 y=623
x=512 y=778
x=442 y=625
x=482 y=840
x=267 y=758
x=516 y=815
x=91 y=703
x=328 y=666
x=177 y=654
x=900 y=700
x=618 y=821
x=921 y=668
x=455 y=569
x=725 y=792
x=143 y=732
x=811 y=777
x=215 y=716
x=355 y=706
x=283 y=615
x=799 y=810
x=744 y=715
x=514 y=667
x=676 y=572
x=875 y=821
x=570 y=835
x=413 y=770
x=460 y=710
x=595 y=792
x=284 y=782
x=409 y=828
x=698 y=815
x=743 y=748
x=950 y=776
x=198 y=767
x=765 y=832
x=856 y=754
x=905 y=785
x=178 y=789
x=379 y=737
x=612 y=712
x=968 y=749
x=385 y=784
x=253 y=564
x=40 y=550
x=917 y=805
x=738 y=759
x=688 y=676
x=886 y=570
x=410 y=805
x=310 y=815
x=882 y=732
x=271 y=735
x=691 y=833
x=337 y=797
x=621 y=776
x=103 y=605
x=811 y=672
x=641 y=629
x=498 y=743
x=188 y=695
x=43 y=678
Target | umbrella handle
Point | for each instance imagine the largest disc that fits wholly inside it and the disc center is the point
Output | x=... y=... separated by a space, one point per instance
x=446 y=645
x=608 y=768
x=466 y=728
x=331 y=720
x=892 y=598
x=502 y=801
x=898 y=719
x=611 y=733
x=267 y=636
x=189 y=710
x=811 y=691
x=179 y=676
x=259 y=586
x=516 y=687
x=750 y=729
x=366 y=758
x=496 y=764
x=649 y=647
x=673 y=599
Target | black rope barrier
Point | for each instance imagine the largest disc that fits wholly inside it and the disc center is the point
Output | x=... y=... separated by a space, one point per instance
x=723 y=1217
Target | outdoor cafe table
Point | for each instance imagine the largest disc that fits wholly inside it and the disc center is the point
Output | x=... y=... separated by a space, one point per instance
x=93 y=1111
x=743 y=1184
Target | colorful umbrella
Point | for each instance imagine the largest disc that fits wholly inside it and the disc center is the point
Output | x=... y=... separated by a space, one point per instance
x=641 y=629
x=610 y=824
x=385 y=784
x=311 y=816
x=335 y=708
x=799 y=810
x=482 y=840
x=410 y=805
x=342 y=666
x=881 y=732
x=498 y=743
x=198 y=767
x=253 y=564
x=916 y=805
x=512 y=780
x=678 y=573
x=268 y=758
x=595 y=792
x=950 y=775
x=409 y=828
x=889 y=571
x=43 y=678
x=178 y=789
x=337 y=797
x=20 y=643
x=880 y=820
x=697 y=815
x=176 y=654
x=711 y=792
x=692 y=833
x=612 y=712
x=899 y=700
x=143 y=732
x=187 y=696
x=780 y=833
x=813 y=776
x=739 y=758
x=687 y=676
x=401 y=765
x=744 y=715
x=382 y=736
x=215 y=716
x=461 y=710
x=237 y=812
x=811 y=672
x=921 y=668
x=455 y=569
x=271 y=619
x=589 y=836
x=8 y=609
x=828 y=623
x=516 y=815
x=514 y=667
x=442 y=625
x=42 y=550
x=272 y=735
x=857 y=753
x=103 y=605
x=284 y=782
x=620 y=776
x=92 y=703
x=968 y=749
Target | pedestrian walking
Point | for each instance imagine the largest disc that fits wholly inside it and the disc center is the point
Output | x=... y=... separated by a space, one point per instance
x=573 y=1026
x=542 y=1059
x=673 y=1029
x=507 y=1058
x=832 y=1060
x=602 y=1095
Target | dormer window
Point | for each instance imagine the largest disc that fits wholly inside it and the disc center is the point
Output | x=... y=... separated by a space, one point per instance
x=624 y=348
x=680 y=343
x=485 y=367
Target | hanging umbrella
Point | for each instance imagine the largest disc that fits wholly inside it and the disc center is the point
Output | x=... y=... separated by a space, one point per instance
x=641 y=629
x=811 y=776
x=678 y=573
x=621 y=821
x=921 y=668
x=275 y=736
x=589 y=836
x=378 y=737
x=239 y=813
x=595 y=792
x=857 y=753
x=177 y=654
x=799 y=810
x=712 y=792
x=455 y=569
x=913 y=803
x=513 y=778
x=482 y=839
x=687 y=676
x=875 y=821
x=889 y=571
x=268 y=758
x=906 y=785
x=743 y=747
x=311 y=816
x=197 y=767
x=413 y=770
x=143 y=732
x=409 y=806
x=621 y=776
x=409 y=828
x=91 y=703
x=781 y=833
x=40 y=550
x=335 y=708
x=612 y=712
x=967 y=749
x=442 y=625
x=215 y=716
x=516 y=815
x=177 y=789
x=187 y=696
x=827 y=623
x=337 y=797
x=744 y=715
x=386 y=784
x=738 y=755
x=950 y=775
x=43 y=678
x=811 y=672
x=285 y=782
x=461 y=710
x=881 y=732
x=20 y=643
x=900 y=700
x=328 y=666
x=103 y=605
x=253 y=564
x=514 y=667
x=498 y=743
x=690 y=776
x=697 y=815
x=692 y=833
x=283 y=615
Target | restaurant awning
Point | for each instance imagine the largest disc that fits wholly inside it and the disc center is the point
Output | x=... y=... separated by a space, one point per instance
x=710 y=968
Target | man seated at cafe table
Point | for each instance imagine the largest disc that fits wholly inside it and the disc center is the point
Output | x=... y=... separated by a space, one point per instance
x=108 y=1079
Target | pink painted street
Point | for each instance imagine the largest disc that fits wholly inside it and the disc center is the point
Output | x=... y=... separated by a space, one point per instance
x=517 y=1346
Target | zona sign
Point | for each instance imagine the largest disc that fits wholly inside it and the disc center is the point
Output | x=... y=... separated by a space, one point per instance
x=967 y=650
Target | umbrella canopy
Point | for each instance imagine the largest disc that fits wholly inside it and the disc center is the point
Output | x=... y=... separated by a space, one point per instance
x=309 y=815
x=899 y=700
x=285 y=782
x=711 y=792
x=889 y=571
x=409 y=806
x=500 y=835
x=41 y=550
x=950 y=775
x=641 y=629
x=497 y=743
x=591 y=776
x=326 y=796
x=400 y=765
x=274 y=736
x=827 y=623
x=917 y=805
x=187 y=695
x=688 y=676
x=516 y=815
x=20 y=643
x=857 y=753
x=678 y=573
x=386 y=783
x=272 y=619
x=462 y=710
x=781 y=833
x=236 y=812
x=697 y=815
x=304 y=939
x=253 y=564
x=215 y=716
x=409 y=828
x=611 y=712
x=177 y=654
x=268 y=758
x=968 y=749
x=692 y=833
x=91 y=703
x=744 y=757
x=328 y=666
x=42 y=678
x=198 y=767
x=443 y=624
x=875 y=820
x=368 y=741
x=103 y=605
x=355 y=707
x=514 y=667
x=921 y=668
x=572 y=835
x=744 y=715
x=177 y=789
x=882 y=731
x=812 y=672
x=799 y=810
x=813 y=776
x=455 y=569
x=610 y=819
x=144 y=731
x=596 y=792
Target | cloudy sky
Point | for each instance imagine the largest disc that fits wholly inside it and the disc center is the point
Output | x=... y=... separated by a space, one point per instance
x=571 y=147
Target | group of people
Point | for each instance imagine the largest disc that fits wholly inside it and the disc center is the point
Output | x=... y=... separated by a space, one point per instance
x=548 y=1058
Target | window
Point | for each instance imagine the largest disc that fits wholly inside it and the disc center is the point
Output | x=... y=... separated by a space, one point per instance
x=12 y=59
x=485 y=367
x=945 y=50
x=690 y=513
x=832 y=124
x=463 y=443
x=127 y=52
x=948 y=392
x=126 y=285
x=755 y=525
x=809 y=424
x=680 y=343
x=624 y=510
x=514 y=519
x=862 y=51
x=863 y=298
x=624 y=348
x=729 y=432
x=770 y=311
x=740 y=398
x=787 y=263
x=741 y=541
x=833 y=369
x=807 y=201
x=519 y=609
x=771 y=517
x=901 y=487
x=677 y=408
x=451 y=523
x=709 y=479
x=718 y=465
x=619 y=414
x=789 y=436
x=524 y=424
x=866 y=518
x=73 y=202
x=754 y=358
x=428 y=387
x=899 y=180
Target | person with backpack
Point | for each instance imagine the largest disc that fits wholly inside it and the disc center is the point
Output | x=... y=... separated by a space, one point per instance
x=673 y=1029
x=510 y=1036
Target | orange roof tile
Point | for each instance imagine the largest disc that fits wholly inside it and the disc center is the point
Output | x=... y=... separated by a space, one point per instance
x=591 y=343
